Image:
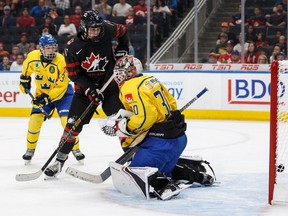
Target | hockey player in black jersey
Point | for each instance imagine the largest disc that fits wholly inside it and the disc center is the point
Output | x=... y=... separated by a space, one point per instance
x=90 y=62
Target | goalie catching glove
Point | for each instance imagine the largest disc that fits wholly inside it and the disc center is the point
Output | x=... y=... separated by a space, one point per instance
x=94 y=94
x=116 y=125
x=25 y=83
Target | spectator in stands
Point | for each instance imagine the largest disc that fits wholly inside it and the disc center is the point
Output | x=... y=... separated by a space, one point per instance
x=251 y=56
x=1 y=8
x=257 y=19
x=276 y=51
x=226 y=57
x=23 y=45
x=250 y=34
x=105 y=8
x=14 y=52
x=121 y=8
x=262 y=59
x=48 y=27
x=283 y=44
x=172 y=5
x=235 y=57
x=97 y=8
x=3 y=52
x=261 y=40
x=162 y=10
x=221 y=47
x=25 y=20
x=280 y=56
x=5 y=64
x=53 y=11
x=7 y=20
x=213 y=57
x=278 y=18
x=75 y=18
x=130 y=18
x=67 y=29
x=225 y=29
x=284 y=2
x=236 y=19
x=17 y=65
x=40 y=10
x=62 y=5
x=238 y=46
x=85 y=4
x=140 y=9
x=32 y=46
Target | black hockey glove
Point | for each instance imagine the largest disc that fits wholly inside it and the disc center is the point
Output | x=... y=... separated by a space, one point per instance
x=93 y=93
x=25 y=83
x=41 y=100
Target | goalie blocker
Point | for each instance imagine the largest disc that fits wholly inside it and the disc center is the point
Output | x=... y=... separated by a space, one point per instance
x=148 y=181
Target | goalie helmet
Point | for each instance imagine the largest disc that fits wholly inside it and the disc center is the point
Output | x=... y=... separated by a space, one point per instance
x=126 y=68
x=48 y=42
x=91 y=19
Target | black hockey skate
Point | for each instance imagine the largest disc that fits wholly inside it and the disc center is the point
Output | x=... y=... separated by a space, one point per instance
x=54 y=169
x=78 y=154
x=28 y=156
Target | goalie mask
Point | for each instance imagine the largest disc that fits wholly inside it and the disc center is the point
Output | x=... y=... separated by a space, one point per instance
x=126 y=68
x=91 y=26
x=48 y=47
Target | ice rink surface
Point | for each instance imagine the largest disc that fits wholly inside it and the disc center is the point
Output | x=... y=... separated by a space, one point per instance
x=237 y=150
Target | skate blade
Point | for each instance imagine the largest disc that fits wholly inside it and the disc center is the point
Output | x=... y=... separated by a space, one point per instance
x=50 y=178
x=81 y=162
x=27 y=162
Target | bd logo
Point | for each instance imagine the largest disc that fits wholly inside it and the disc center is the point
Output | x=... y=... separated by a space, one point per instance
x=253 y=91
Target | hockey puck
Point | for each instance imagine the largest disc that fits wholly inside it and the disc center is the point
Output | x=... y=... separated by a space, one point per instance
x=280 y=168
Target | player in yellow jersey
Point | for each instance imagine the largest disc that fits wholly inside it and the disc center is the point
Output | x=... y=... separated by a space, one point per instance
x=52 y=91
x=151 y=121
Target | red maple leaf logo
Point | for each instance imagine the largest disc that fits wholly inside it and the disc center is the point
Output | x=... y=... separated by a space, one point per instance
x=87 y=64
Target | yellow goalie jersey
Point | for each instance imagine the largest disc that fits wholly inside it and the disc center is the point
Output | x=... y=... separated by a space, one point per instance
x=50 y=78
x=150 y=102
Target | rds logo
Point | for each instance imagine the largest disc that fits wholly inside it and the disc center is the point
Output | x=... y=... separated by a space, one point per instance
x=254 y=91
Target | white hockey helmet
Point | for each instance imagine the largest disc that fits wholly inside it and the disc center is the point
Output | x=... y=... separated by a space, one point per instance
x=126 y=68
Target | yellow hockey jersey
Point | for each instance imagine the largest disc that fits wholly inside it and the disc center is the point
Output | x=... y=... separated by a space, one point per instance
x=150 y=102
x=49 y=78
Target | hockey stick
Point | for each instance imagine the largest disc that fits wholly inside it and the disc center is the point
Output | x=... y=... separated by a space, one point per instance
x=40 y=107
x=121 y=160
x=33 y=176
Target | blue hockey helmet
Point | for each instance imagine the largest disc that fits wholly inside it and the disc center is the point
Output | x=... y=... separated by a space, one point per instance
x=48 y=41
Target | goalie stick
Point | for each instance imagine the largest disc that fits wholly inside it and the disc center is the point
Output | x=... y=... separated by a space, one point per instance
x=33 y=176
x=121 y=160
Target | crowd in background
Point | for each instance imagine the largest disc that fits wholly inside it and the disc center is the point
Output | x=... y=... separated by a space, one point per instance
x=264 y=39
x=22 y=22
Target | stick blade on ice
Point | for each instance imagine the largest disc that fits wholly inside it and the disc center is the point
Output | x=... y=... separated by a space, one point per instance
x=28 y=176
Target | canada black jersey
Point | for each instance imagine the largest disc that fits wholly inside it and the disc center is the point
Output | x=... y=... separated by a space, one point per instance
x=91 y=62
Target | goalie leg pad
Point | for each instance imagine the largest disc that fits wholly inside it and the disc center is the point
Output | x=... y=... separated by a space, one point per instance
x=132 y=180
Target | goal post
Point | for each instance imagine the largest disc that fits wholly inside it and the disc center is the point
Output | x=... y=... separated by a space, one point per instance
x=278 y=158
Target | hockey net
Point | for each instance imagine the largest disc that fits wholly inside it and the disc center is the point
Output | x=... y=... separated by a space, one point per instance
x=278 y=165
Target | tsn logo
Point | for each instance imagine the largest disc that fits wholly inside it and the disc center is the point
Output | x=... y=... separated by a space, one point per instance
x=221 y=66
x=164 y=66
